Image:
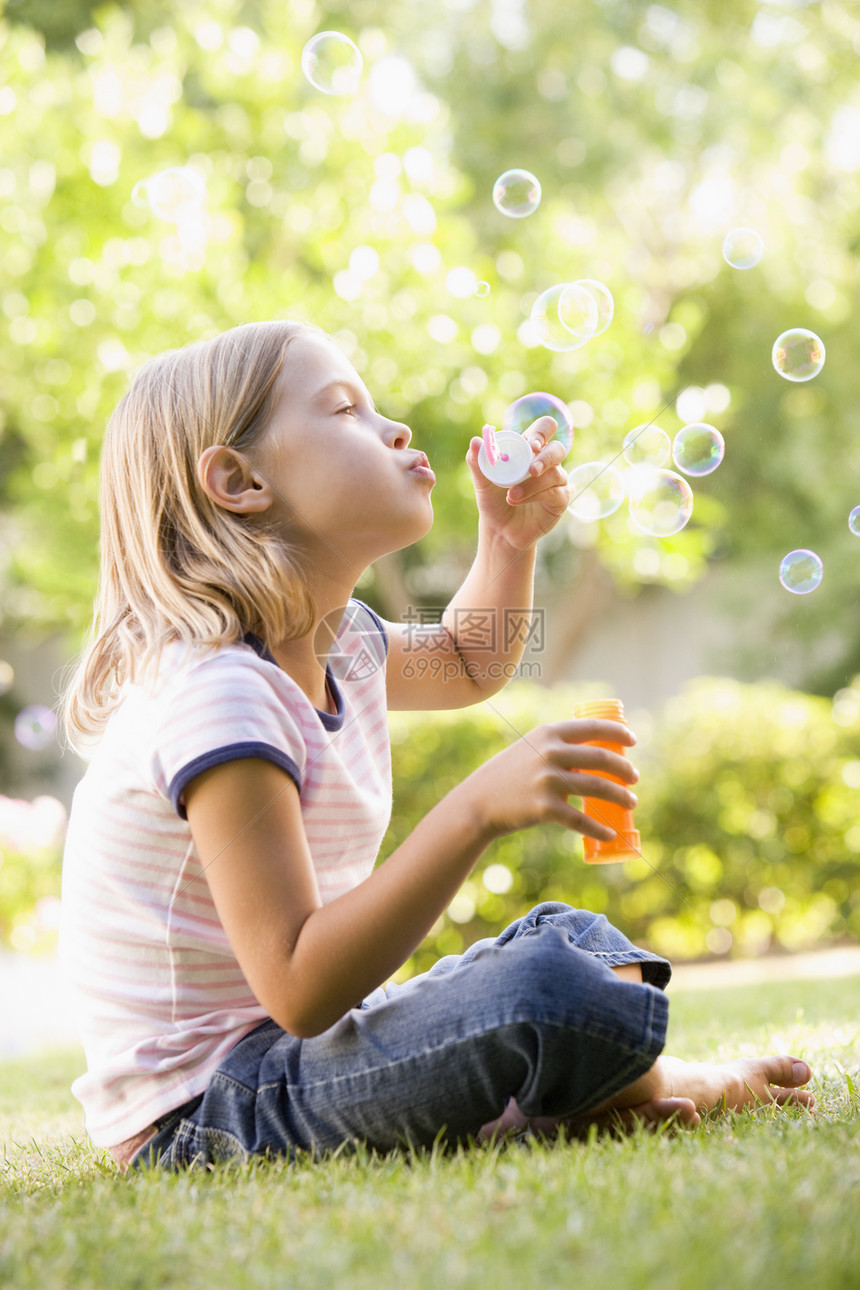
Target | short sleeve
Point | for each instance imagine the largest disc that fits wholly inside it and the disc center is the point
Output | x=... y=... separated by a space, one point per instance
x=227 y=707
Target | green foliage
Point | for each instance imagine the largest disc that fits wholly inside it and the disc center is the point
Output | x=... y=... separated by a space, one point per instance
x=31 y=841
x=747 y=814
x=652 y=130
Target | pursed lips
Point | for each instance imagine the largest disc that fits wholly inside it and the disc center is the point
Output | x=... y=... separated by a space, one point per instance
x=421 y=466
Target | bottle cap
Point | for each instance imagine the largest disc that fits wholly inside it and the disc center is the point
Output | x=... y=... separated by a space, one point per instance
x=505 y=457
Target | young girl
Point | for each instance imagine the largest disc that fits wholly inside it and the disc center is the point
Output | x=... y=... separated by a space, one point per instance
x=225 y=931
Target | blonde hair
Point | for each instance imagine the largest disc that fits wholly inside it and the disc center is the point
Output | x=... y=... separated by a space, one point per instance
x=175 y=566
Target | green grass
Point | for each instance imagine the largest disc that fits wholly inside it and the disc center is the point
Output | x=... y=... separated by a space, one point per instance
x=762 y=1200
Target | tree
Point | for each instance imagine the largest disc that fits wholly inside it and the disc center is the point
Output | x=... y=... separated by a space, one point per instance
x=653 y=131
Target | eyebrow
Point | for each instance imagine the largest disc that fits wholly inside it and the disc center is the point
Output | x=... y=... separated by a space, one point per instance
x=343 y=383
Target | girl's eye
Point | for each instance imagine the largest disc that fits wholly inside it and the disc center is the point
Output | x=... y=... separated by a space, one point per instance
x=350 y=408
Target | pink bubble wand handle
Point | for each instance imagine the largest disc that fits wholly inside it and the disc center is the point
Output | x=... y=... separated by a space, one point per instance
x=488 y=434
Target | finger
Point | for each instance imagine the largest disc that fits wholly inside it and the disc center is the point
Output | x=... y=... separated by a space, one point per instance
x=569 y=817
x=540 y=432
x=536 y=485
x=595 y=759
x=472 y=451
x=594 y=786
x=586 y=730
x=553 y=454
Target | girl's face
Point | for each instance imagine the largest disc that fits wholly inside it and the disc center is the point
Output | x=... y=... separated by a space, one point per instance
x=345 y=480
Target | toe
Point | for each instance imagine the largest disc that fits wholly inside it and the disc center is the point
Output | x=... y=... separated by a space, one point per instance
x=786 y=1072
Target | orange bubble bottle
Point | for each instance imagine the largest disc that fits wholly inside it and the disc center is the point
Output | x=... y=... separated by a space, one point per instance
x=625 y=845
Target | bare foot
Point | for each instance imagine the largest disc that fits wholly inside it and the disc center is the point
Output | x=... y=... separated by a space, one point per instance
x=677 y=1091
x=649 y=1115
x=722 y=1086
x=745 y=1082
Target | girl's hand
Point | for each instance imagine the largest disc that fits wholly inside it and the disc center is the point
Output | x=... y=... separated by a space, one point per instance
x=525 y=512
x=530 y=782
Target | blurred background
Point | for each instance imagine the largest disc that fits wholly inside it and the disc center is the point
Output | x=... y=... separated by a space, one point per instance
x=654 y=130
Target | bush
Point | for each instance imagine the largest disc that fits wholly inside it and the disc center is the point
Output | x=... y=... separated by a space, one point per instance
x=750 y=834
x=31 y=841
x=747 y=812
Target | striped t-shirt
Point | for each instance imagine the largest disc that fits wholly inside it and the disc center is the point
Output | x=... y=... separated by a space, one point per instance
x=159 y=994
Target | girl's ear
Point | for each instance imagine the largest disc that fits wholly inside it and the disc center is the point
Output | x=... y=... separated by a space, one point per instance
x=230 y=481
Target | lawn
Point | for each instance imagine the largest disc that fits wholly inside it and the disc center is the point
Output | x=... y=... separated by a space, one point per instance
x=770 y=1199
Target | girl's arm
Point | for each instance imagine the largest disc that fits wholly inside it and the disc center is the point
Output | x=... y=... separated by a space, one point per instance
x=475 y=649
x=309 y=963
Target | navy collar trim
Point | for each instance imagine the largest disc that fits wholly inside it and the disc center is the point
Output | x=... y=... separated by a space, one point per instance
x=329 y=720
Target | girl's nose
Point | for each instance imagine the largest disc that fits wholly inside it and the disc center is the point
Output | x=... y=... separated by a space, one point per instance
x=396 y=434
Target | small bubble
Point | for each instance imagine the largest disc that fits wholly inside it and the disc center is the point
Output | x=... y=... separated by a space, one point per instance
x=661 y=502
x=7 y=676
x=698 y=448
x=854 y=521
x=332 y=63
x=524 y=411
x=482 y=289
x=801 y=571
x=35 y=727
x=597 y=490
x=646 y=445
x=516 y=194
x=564 y=317
x=602 y=297
x=798 y=354
x=742 y=248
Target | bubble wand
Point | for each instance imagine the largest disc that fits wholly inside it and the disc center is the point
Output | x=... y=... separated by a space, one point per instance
x=504 y=457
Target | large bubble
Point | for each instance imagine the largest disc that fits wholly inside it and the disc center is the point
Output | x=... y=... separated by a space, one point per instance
x=516 y=194
x=332 y=63
x=661 y=502
x=564 y=317
x=522 y=412
x=854 y=521
x=698 y=448
x=646 y=445
x=801 y=571
x=597 y=490
x=798 y=354
x=602 y=298
x=742 y=248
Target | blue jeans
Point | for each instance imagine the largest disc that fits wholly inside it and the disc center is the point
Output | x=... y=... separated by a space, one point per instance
x=535 y=1015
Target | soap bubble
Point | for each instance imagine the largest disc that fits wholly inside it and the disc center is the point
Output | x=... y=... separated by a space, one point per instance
x=482 y=289
x=698 y=448
x=742 y=248
x=602 y=297
x=173 y=195
x=661 y=502
x=564 y=317
x=35 y=727
x=801 y=571
x=522 y=412
x=798 y=354
x=854 y=521
x=7 y=676
x=646 y=445
x=516 y=194
x=332 y=63
x=597 y=490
